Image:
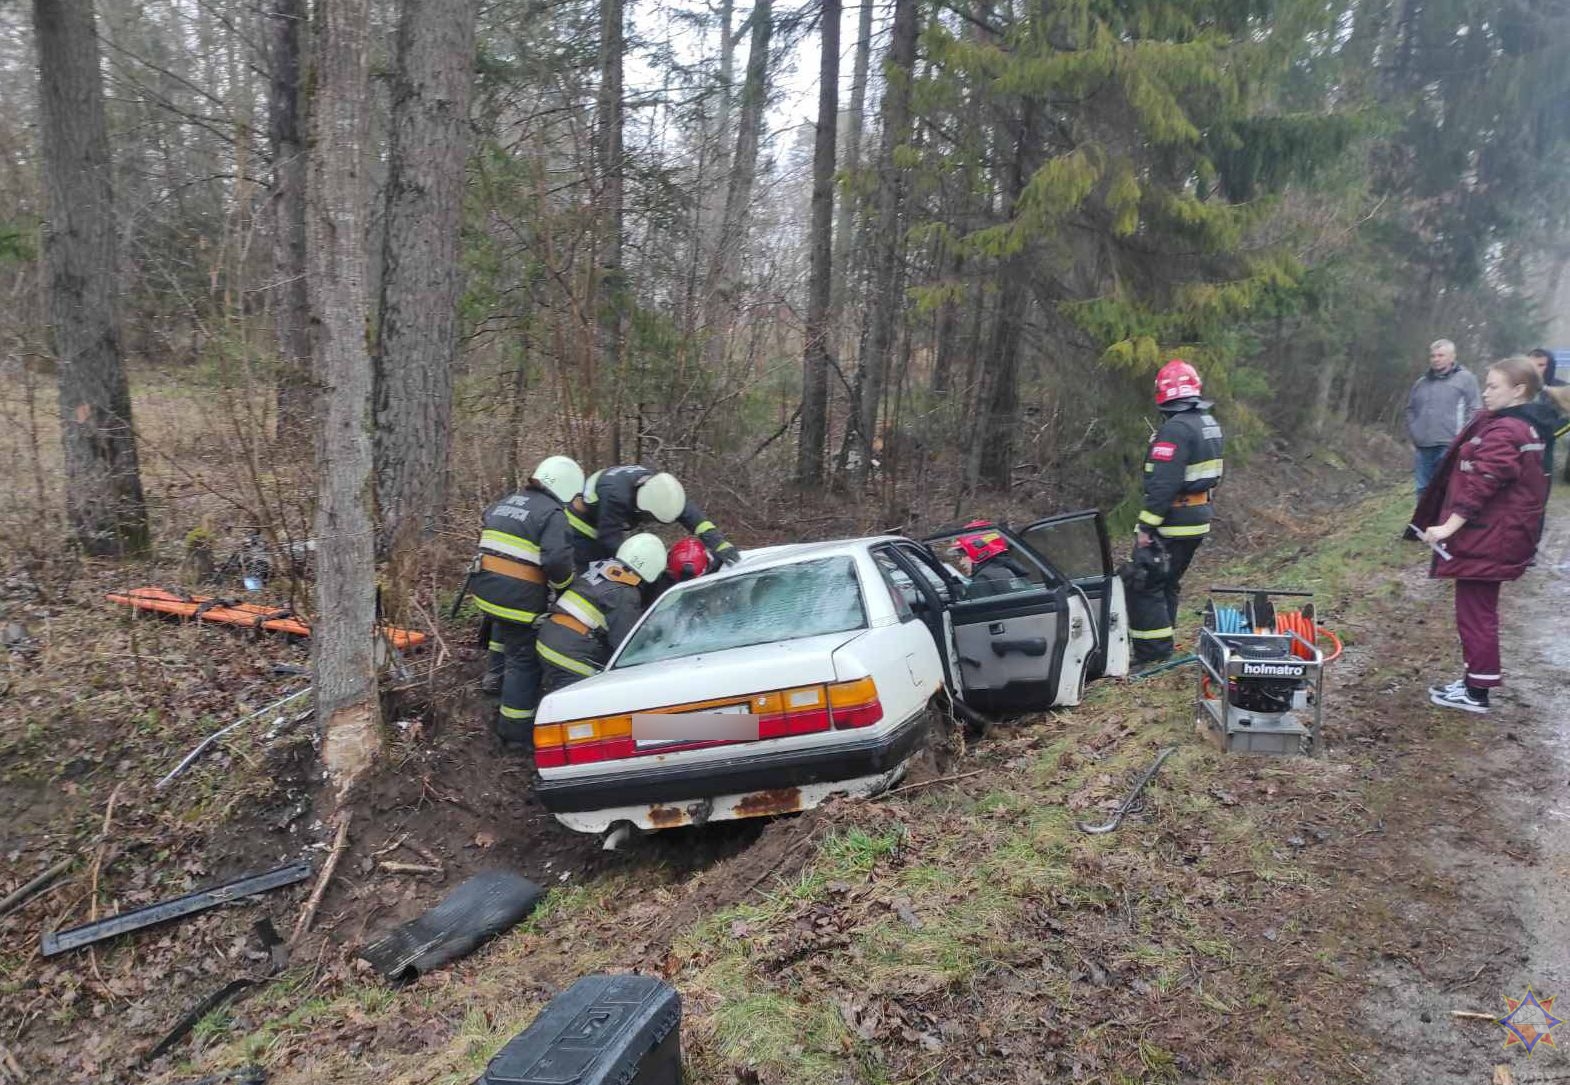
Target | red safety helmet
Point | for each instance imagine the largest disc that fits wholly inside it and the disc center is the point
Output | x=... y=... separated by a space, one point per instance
x=688 y=560
x=979 y=547
x=1177 y=380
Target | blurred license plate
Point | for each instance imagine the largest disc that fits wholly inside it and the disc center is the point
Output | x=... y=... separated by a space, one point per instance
x=730 y=723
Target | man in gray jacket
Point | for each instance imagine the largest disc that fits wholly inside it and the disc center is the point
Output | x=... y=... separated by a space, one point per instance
x=1442 y=401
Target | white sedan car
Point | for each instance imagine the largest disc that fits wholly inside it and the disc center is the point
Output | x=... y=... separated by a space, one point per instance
x=816 y=669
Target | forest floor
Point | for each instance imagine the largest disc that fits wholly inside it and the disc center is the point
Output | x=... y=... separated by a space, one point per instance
x=1261 y=920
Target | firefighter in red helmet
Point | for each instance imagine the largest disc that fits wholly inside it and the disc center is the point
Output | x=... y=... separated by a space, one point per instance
x=1182 y=469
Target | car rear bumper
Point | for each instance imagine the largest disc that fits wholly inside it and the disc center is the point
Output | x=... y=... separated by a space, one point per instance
x=748 y=771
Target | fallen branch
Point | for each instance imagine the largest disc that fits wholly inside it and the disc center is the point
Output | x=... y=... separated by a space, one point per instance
x=27 y=892
x=422 y=851
x=1472 y=1015
x=98 y=853
x=340 y=845
x=393 y=867
x=13 y=1071
x=929 y=783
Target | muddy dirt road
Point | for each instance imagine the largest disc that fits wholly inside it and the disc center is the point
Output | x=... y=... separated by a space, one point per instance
x=1488 y=858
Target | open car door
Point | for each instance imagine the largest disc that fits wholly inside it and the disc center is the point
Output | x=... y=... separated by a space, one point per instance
x=1076 y=544
x=1019 y=643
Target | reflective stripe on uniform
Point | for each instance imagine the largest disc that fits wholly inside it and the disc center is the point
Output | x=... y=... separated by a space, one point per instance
x=517 y=713
x=591 y=488
x=1538 y=447
x=580 y=608
x=496 y=646
x=1150 y=634
x=566 y=663
x=1185 y=532
x=513 y=546
x=1148 y=517
x=580 y=525
x=707 y=525
x=1203 y=469
x=522 y=617
x=563 y=584
x=727 y=545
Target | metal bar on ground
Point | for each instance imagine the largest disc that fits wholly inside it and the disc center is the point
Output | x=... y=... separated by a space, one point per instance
x=1128 y=803
x=201 y=747
x=199 y=901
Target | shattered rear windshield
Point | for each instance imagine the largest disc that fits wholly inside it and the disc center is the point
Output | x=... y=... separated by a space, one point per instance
x=785 y=602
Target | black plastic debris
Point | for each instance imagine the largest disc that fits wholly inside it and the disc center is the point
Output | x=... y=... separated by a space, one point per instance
x=472 y=914
x=603 y=1030
x=182 y=1027
x=59 y=941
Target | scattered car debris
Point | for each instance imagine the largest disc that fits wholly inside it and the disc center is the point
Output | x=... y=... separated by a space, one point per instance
x=474 y=912
x=186 y=1023
x=202 y=746
x=1133 y=796
x=24 y=893
x=602 y=1029
x=200 y=901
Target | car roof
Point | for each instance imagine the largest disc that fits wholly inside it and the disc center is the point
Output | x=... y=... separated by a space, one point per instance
x=772 y=557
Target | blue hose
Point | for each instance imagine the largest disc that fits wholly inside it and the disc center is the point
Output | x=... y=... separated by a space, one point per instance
x=1231 y=620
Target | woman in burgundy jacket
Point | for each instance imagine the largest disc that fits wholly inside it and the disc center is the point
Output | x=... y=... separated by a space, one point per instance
x=1486 y=509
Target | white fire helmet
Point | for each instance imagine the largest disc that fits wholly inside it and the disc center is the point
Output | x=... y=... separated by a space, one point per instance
x=662 y=497
x=560 y=476
x=644 y=554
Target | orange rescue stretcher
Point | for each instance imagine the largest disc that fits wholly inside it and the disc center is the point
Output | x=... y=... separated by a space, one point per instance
x=249 y=615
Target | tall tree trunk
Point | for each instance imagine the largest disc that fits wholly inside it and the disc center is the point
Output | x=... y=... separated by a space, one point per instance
x=884 y=302
x=815 y=363
x=725 y=270
x=417 y=333
x=1000 y=417
x=946 y=336
x=855 y=121
x=338 y=202
x=286 y=140
x=610 y=315
x=104 y=501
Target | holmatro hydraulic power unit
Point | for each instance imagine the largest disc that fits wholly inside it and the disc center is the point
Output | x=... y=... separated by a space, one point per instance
x=1261 y=671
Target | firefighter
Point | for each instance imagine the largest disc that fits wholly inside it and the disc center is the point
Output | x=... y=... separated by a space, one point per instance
x=589 y=621
x=688 y=560
x=525 y=553
x=1182 y=468
x=984 y=560
x=617 y=500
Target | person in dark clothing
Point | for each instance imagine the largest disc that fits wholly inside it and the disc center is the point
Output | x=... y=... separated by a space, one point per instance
x=617 y=500
x=1486 y=508
x=588 y=622
x=1183 y=465
x=1547 y=408
x=984 y=559
x=525 y=554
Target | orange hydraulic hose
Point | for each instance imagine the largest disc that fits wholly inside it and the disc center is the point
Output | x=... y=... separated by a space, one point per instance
x=1294 y=621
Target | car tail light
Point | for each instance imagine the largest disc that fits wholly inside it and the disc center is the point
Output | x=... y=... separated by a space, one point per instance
x=799 y=711
x=855 y=703
x=580 y=742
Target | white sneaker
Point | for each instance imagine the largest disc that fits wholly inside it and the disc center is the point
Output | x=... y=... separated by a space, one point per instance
x=1459 y=698
x=1458 y=686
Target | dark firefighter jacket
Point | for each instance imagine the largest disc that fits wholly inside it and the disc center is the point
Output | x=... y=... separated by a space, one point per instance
x=995 y=576
x=1182 y=467
x=589 y=620
x=608 y=512
x=524 y=551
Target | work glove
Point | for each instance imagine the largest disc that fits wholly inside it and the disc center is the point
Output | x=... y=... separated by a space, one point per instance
x=728 y=554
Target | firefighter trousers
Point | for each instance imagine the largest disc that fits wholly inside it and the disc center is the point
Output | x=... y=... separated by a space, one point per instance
x=1152 y=609
x=520 y=681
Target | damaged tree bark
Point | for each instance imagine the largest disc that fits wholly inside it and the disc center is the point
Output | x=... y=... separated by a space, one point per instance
x=338 y=201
